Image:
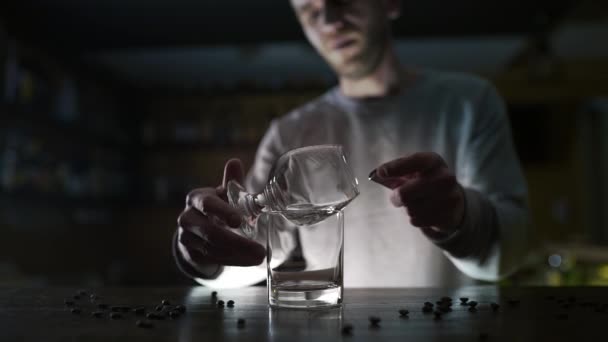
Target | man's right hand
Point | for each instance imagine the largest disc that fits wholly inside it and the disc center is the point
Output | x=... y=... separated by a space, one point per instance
x=203 y=238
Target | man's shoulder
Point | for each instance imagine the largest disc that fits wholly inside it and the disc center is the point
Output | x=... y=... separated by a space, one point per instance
x=461 y=83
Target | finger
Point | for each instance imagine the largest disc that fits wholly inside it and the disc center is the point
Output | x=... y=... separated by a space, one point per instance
x=429 y=214
x=207 y=202
x=423 y=162
x=233 y=170
x=193 y=221
x=423 y=187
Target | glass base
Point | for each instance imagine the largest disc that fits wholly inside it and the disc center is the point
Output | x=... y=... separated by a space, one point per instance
x=305 y=297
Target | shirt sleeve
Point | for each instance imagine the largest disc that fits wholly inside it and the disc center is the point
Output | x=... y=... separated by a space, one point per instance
x=268 y=152
x=493 y=239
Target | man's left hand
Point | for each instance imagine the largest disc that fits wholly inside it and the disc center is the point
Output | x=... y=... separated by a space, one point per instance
x=424 y=186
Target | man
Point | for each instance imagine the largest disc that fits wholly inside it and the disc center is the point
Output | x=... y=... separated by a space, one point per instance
x=439 y=142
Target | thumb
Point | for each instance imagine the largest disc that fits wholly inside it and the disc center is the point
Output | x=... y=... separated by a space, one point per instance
x=233 y=170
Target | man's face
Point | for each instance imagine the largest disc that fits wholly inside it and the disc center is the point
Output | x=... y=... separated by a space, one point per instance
x=351 y=35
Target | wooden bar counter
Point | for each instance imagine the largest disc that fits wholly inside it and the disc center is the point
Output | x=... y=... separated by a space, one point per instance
x=522 y=314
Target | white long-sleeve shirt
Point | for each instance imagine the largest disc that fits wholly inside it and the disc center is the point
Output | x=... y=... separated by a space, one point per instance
x=458 y=116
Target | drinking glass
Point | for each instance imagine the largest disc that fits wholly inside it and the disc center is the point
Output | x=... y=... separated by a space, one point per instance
x=303 y=200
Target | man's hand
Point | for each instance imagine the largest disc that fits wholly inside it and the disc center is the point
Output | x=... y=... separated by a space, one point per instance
x=426 y=188
x=203 y=240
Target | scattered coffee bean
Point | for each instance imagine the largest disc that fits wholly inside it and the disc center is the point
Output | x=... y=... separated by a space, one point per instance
x=472 y=309
x=139 y=310
x=437 y=315
x=464 y=300
x=97 y=314
x=144 y=324
x=93 y=297
x=446 y=299
x=220 y=303
x=483 y=336
x=76 y=297
x=444 y=309
x=115 y=315
x=76 y=311
x=429 y=304
x=180 y=308
x=494 y=306
x=230 y=303
x=102 y=306
x=165 y=302
x=240 y=323
x=347 y=329
x=214 y=294
x=427 y=309
x=159 y=308
x=152 y=315
x=472 y=303
x=68 y=302
x=403 y=313
x=374 y=321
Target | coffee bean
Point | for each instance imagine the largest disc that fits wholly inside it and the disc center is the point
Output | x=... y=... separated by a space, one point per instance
x=463 y=300
x=214 y=294
x=115 y=315
x=76 y=311
x=139 y=310
x=220 y=303
x=230 y=303
x=159 y=308
x=374 y=321
x=82 y=293
x=144 y=324
x=444 y=309
x=93 y=297
x=472 y=309
x=165 y=302
x=446 y=299
x=429 y=304
x=102 y=306
x=472 y=303
x=76 y=297
x=68 y=302
x=494 y=306
x=240 y=323
x=97 y=314
x=180 y=308
x=403 y=313
x=437 y=315
x=427 y=309
x=347 y=329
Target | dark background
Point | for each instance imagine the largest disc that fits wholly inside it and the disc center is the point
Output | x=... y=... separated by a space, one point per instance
x=110 y=111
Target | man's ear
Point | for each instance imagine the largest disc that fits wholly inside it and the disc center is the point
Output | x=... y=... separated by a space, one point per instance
x=393 y=8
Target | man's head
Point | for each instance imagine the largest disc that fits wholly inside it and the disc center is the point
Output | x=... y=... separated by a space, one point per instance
x=352 y=35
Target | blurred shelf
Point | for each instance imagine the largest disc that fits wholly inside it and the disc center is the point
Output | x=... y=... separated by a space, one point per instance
x=167 y=147
x=62 y=201
x=67 y=133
